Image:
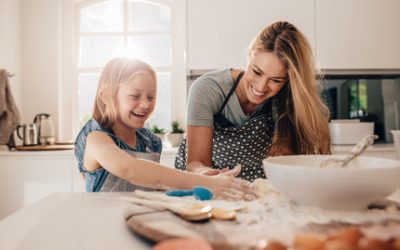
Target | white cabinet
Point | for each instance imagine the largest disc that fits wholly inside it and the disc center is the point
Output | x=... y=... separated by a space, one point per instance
x=219 y=32
x=26 y=177
x=358 y=34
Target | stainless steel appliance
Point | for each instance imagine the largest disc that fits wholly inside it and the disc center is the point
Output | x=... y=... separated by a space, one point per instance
x=367 y=95
x=46 y=134
x=29 y=135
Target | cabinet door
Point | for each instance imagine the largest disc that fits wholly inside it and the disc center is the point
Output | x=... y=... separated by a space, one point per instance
x=358 y=34
x=25 y=180
x=219 y=32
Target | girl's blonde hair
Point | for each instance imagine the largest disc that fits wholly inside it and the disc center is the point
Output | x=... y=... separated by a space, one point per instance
x=302 y=121
x=116 y=72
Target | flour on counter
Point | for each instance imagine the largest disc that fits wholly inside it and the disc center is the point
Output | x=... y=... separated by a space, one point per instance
x=279 y=218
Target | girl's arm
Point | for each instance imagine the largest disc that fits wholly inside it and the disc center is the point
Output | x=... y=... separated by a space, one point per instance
x=102 y=151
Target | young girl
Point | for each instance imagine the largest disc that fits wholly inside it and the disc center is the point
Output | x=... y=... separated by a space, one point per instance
x=115 y=152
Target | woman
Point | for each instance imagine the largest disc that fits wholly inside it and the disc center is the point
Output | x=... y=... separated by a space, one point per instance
x=272 y=108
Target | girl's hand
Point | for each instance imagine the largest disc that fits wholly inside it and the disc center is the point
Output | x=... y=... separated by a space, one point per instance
x=230 y=188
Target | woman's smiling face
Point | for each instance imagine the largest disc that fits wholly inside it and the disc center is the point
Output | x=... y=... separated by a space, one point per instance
x=136 y=100
x=264 y=77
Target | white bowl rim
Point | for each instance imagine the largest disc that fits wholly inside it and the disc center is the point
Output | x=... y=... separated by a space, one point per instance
x=389 y=163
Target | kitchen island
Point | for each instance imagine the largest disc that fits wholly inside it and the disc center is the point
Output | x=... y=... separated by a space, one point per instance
x=96 y=221
x=71 y=221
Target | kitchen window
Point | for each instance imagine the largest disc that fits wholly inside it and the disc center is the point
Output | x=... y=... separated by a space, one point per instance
x=147 y=30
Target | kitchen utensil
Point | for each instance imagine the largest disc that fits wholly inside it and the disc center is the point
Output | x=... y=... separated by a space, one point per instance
x=188 y=211
x=45 y=127
x=218 y=213
x=354 y=152
x=29 y=135
x=302 y=179
x=200 y=193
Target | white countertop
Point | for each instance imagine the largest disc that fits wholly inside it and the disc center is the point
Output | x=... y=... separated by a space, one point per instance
x=380 y=147
x=167 y=150
x=71 y=221
x=87 y=221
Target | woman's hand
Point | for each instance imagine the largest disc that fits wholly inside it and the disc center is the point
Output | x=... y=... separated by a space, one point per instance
x=198 y=167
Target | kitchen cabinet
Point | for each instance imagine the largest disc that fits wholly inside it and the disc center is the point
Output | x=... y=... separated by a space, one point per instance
x=358 y=34
x=30 y=176
x=27 y=177
x=219 y=32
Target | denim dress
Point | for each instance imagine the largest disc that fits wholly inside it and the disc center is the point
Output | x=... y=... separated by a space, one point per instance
x=148 y=147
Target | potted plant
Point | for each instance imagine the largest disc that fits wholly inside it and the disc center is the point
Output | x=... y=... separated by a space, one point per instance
x=176 y=135
x=158 y=131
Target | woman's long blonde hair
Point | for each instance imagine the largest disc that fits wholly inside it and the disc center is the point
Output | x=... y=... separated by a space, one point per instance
x=302 y=121
x=116 y=72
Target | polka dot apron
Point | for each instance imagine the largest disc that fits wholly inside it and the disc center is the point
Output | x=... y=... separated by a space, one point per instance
x=246 y=144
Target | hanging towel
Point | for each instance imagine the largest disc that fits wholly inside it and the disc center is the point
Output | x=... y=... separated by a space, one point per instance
x=9 y=114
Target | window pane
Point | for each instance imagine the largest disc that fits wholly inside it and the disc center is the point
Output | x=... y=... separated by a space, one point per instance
x=104 y=16
x=162 y=113
x=156 y=50
x=148 y=17
x=96 y=51
x=86 y=95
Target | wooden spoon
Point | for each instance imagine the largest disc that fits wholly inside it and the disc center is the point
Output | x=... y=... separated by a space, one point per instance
x=216 y=212
x=188 y=211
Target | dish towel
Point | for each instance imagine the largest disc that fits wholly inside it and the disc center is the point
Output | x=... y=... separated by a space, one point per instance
x=9 y=114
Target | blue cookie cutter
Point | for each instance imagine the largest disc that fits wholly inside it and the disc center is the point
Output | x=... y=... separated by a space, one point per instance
x=199 y=192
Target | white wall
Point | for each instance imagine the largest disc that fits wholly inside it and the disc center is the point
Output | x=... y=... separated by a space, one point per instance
x=29 y=48
x=31 y=42
x=40 y=26
x=10 y=53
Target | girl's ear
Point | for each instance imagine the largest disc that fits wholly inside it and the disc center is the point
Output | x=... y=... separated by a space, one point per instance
x=103 y=96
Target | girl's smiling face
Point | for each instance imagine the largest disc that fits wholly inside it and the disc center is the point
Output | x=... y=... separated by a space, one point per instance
x=265 y=76
x=136 y=100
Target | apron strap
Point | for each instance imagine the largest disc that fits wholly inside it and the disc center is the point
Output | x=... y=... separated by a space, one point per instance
x=231 y=91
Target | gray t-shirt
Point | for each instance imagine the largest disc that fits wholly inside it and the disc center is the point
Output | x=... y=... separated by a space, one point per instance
x=206 y=97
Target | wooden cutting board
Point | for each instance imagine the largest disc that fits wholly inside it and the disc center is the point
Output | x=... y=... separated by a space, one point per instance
x=159 y=225
x=162 y=225
x=45 y=147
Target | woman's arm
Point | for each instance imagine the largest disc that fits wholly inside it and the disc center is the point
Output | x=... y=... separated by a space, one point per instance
x=101 y=150
x=199 y=145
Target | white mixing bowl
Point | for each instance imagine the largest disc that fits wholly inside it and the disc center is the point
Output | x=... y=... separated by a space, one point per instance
x=363 y=181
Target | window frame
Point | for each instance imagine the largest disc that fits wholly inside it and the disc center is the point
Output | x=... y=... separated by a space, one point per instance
x=70 y=70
